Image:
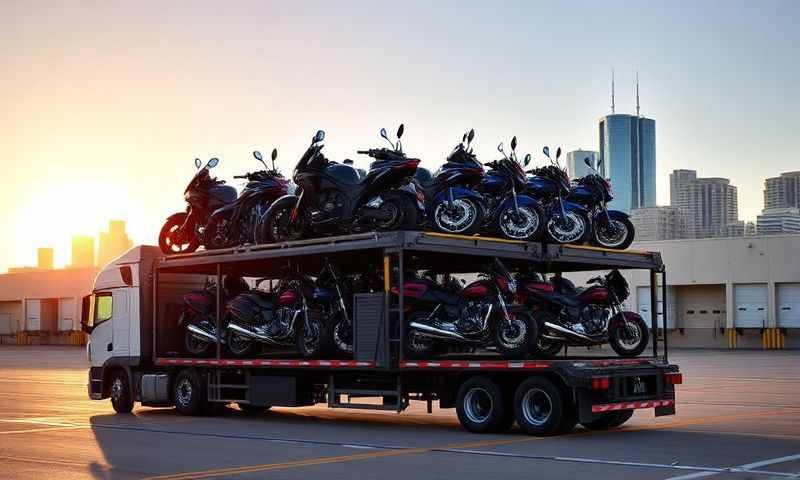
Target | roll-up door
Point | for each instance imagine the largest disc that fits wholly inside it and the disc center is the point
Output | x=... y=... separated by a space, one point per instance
x=750 y=305
x=788 y=295
x=66 y=314
x=33 y=314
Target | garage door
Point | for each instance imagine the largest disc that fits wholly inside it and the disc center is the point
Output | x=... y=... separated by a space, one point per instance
x=66 y=313
x=750 y=305
x=788 y=295
x=5 y=324
x=643 y=304
x=33 y=315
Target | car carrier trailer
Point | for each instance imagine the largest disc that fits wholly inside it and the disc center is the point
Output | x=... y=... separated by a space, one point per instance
x=135 y=352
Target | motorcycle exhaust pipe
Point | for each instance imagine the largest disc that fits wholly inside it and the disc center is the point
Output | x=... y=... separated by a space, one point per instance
x=438 y=333
x=200 y=333
x=569 y=333
x=254 y=335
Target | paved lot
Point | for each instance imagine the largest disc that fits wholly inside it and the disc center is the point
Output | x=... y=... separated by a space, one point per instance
x=736 y=411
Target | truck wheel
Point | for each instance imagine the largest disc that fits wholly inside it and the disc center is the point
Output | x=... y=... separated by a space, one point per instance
x=480 y=406
x=609 y=420
x=189 y=393
x=121 y=398
x=539 y=407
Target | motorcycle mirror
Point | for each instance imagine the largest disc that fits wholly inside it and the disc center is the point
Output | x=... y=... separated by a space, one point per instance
x=587 y=162
x=500 y=147
x=213 y=162
x=546 y=151
x=558 y=153
x=471 y=135
x=383 y=134
x=464 y=138
x=527 y=159
x=514 y=143
x=599 y=162
x=400 y=131
x=274 y=154
x=258 y=156
x=197 y=162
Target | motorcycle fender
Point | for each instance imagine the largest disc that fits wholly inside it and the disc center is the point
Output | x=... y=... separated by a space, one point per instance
x=574 y=207
x=222 y=212
x=618 y=318
x=522 y=201
x=600 y=217
x=458 y=192
x=282 y=202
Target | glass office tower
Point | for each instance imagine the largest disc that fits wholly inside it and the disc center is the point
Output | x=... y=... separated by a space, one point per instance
x=628 y=151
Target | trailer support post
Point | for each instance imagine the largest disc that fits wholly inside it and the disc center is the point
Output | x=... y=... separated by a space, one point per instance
x=654 y=310
x=219 y=310
x=664 y=303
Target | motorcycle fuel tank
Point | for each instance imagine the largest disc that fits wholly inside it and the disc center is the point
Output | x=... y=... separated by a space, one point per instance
x=343 y=174
x=221 y=195
x=594 y=295
x=477 y=289
x=199 y=301
x=493 y=182
x=287 y=298
x=542 y=186
x=581 y=194
x=542 y=287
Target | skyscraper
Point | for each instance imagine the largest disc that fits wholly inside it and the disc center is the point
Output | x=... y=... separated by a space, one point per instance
x=657 y=223
x=628 y=151
x=773 y=221
x=113 y=243
x=45 y=258
x=783 y=191
x=709 y=206
x=577 y=168
x=82 y=251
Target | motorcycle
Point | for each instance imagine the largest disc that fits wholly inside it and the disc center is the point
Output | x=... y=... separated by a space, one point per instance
x=610 y=228
x=584 y=317
x=509 y=210
x=198 y=315
x=282 y=320
x=331 y=198
x=476 y=316
x=567 y=221
x=453 y=204
x=236 y=223
x=183 y=232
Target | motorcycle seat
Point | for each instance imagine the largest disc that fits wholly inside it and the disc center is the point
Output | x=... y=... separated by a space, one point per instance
x=262 y=299
x=567 y=300
x=447 y=298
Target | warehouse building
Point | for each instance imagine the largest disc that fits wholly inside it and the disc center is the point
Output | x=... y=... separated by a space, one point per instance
x=739 y=292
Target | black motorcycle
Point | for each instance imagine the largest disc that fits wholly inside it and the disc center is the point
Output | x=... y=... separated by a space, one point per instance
x=331 y=198
x=454 y=205
x=610 y=228
x=442 y=318
x=236 y=223
x=183 y=231
x=510 y=211
x=199 y=313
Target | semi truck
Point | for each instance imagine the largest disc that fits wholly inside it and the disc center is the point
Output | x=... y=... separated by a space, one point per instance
x=136 y=355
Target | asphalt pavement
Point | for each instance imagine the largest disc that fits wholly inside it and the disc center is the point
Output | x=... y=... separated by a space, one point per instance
x=738 y=418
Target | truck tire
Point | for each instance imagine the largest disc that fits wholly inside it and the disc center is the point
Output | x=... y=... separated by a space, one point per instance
x=121 y=398
x=609 y=420
x=189 y=393
x=481 y=406
x=540 y=408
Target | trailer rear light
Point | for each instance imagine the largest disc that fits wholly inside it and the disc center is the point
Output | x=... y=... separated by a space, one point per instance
x=601 y=383
x=675 y=378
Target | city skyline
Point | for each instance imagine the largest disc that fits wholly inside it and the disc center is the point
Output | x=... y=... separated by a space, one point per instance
x=107 y=120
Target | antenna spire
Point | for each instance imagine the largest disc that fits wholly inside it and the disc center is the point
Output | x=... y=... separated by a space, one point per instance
x=612 y=91
x=637 y=93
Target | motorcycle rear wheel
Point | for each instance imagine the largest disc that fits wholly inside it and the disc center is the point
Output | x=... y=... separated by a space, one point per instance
x=167 y=237
x=214 y=237
x=404 y=215
x=195 y=346
x=239 y=345
x=277 y=225
x=518 y=339
x=418 y=346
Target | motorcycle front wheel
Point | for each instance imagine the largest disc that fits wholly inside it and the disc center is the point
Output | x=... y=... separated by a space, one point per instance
x=338 y=337
x=629 y=337
x=516 y=338
x=308 y=338
x=527 y=223
x=617 y=234
x=571 y=228
x=239 y=345
x=172 y=241
x=278 y=226
x=464 y=216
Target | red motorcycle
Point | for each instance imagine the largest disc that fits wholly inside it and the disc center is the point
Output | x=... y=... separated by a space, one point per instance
x=569 y=316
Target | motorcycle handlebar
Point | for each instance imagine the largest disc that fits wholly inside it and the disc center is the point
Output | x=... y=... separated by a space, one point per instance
x=247 y=175
x=363 y=152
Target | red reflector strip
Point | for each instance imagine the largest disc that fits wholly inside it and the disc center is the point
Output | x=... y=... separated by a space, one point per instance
x=673 y=378
x=611 y=407
x=265 y=363
x=500 y=365
x=601 y=383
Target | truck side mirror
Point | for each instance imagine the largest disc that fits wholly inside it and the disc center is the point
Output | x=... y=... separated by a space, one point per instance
x=86 y=310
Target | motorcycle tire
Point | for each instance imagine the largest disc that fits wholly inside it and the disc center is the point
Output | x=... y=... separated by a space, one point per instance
x=239 y=346
x=620 y=243
x=276 y=226
x=406 y=214
x=618 y=336
x=551 y=238
x=165 y=242
x=517 y=340
x=195 y=346
x=471 y=228
x=337 y=338
x=416 y=345
x=309 y=344
x=531 y=213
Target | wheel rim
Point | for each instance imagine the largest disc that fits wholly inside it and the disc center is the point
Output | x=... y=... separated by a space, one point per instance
x=568 y=229
x=396 y=215
x=537 y=406
x=629 y=335
x=343 y=338
x=456 y=218
x=612 y=234
x=238 y=343
x=195 y=345
x=311 y=337
x=183 y=392
x=478 y=405
x=173 y=240
x=520 y=225
x=418 y=342
x=513 y=335
x=116 y=389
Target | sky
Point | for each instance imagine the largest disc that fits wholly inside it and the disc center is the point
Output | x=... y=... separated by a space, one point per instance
x=105 y=105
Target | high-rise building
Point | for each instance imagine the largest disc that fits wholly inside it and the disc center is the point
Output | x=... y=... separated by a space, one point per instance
x=45 y=258
x=709 y=206
x=113 y=243
x=774 y=221
x=628 y=152
x=82 y=251
x=783 y=191
x=576 y=166
x=657 y=223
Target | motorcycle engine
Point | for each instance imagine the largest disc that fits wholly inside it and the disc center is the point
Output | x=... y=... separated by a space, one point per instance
x=593 y=319
x=472 y=316
x=282 y=320
x=331 y=202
